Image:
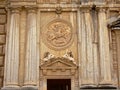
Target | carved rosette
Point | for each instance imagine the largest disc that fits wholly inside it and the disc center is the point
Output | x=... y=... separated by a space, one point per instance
x=58 y=34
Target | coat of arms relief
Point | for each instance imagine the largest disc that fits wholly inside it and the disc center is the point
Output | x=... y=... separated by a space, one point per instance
x=58 y=34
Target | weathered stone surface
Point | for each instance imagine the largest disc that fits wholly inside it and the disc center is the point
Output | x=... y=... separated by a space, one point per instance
x=2 y=39
x=26 y=49
x=2 y=19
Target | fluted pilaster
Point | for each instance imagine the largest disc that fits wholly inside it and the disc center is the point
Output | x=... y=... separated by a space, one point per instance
x=30 y=80
x=86 y=48
x=104 y=49
x=12 y=51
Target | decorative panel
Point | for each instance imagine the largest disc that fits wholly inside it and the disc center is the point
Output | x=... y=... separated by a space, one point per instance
x=58 y=35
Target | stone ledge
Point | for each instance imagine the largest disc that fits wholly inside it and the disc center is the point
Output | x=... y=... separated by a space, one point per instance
x=10 y=88
x=98 y=87
x=29 y=88
x=20 y=88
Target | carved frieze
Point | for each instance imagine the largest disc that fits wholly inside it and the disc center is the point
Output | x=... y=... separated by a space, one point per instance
x=58 y=34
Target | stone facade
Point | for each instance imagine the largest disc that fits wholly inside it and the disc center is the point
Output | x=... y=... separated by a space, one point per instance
x=77 y=41
x=3 y=23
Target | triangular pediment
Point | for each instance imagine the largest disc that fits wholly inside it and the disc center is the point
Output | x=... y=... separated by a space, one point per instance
x=58 y=63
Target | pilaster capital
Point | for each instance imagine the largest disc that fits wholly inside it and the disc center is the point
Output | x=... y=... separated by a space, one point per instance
x=102 y=9
x=31 y=9
x=85 y=9
x=15 y=10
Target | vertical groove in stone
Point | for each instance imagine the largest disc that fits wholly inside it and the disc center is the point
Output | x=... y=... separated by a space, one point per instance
x=79 y=44
x=22 y=46
x=95 y=45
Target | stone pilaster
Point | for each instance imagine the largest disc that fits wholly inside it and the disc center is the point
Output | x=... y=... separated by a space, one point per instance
x=105 y=70
x=12 y=52
x=87 y=49
x=118 y=55
x=30 y=80
x=79 y=43
x=83 y=50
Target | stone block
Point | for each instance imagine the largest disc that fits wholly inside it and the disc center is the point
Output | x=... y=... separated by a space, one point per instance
x=2 y=39
x=0 y=82
x=2 y=18
x=1 y=61
x=1 y=71
x=2 y=11
x=2 y=29
x=1 y=49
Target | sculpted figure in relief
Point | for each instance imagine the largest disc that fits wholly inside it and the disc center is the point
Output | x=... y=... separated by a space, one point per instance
x=58 y=34
x=48 y=56
x=69 y=56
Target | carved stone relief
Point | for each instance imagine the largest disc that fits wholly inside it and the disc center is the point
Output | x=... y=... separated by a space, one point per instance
x=58 y=34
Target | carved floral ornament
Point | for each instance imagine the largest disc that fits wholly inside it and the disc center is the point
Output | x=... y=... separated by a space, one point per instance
x=57 y=34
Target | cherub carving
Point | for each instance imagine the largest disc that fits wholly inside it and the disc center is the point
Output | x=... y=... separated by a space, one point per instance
x=69 y=56
x=48 y=56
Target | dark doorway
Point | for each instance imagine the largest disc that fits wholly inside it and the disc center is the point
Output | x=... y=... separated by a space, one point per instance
x=59 y=84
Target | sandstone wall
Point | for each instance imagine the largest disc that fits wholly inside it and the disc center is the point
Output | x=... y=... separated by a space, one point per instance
x=2 y=42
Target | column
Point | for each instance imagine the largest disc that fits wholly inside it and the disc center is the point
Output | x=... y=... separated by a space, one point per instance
x=87 y=64
x=12 y=51
x=30 y=80
x=104 y=49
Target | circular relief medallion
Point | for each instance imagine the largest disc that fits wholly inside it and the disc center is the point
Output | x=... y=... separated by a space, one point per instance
x=58 y=34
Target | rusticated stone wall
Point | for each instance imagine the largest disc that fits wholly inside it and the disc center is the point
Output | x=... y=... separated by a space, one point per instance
x=2 y=43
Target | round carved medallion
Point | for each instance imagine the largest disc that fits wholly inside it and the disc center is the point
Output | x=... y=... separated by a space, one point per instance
x=58 y=34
